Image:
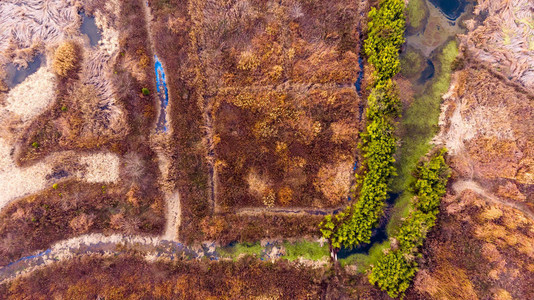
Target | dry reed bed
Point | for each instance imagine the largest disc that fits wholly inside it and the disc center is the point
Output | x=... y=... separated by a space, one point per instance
x=505 y=39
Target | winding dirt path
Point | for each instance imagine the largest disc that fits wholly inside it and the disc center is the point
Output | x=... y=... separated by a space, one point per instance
x=98 y=244
x=251 y=211
x=172 y=216
x=462 y=185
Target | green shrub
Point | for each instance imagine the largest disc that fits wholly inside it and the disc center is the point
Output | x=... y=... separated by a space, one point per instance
x=35 y=145
x=305 y=249
x=145 y=91
x=394 y=272
x=385 y=37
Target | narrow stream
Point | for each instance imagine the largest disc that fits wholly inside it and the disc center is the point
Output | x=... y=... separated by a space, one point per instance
x=439 y=27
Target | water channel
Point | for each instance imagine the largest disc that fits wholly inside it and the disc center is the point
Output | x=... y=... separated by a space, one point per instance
x=420 y=62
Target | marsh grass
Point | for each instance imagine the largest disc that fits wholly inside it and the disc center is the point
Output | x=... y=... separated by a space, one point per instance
x=412 y=62
x=416 y=13
x=306 y=249
x=418 y=126
x=237 y=250
x=363 y=261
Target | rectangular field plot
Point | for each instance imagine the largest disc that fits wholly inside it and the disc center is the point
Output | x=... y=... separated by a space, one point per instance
x=281 y=97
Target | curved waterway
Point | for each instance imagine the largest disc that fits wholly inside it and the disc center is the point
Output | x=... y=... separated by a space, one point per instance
x=439 y=28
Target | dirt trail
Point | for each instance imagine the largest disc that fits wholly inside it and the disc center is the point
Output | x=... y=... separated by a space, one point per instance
x=172 y=216
x=461 y=185
x=251 y=211
x=160 y=145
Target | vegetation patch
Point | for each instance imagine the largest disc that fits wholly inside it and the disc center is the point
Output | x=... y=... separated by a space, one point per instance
x=416 y=13
x=241 y=249
x=395 y=270
x=385 y=37
x=306 y=250
x=412 y=62
x=111 y=278
x=249 y=229
x=285 y=120
x=71 y=209
x=419 y=123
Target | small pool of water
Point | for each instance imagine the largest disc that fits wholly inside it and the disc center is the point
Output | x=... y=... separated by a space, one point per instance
x=452 y=9
x=427 y=73
x=163 y=94
x=90 y=29
x=16 y=75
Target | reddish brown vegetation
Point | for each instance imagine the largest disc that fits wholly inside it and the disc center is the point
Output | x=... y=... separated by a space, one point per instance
x=498 y=150
x=75 y=121
x=230 y=228
x=74 y=208
x=189 y=170
x=491 y=257
x=286 y=107
x=128 y=277
x=249 y=82
x=492 y=161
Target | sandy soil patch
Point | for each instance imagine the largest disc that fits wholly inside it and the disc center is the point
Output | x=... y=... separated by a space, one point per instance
x=15 y=182
x=33 y=95
x=101 y=167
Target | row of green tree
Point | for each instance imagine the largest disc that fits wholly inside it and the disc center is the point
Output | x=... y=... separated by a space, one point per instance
x=385 y=37
x=395 y=270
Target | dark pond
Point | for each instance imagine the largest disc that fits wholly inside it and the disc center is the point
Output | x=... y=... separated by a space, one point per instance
x=427 y=73
x=452 y=9
x=90 y=29
x=17 y=75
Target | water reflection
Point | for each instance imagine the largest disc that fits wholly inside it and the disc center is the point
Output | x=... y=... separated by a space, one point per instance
x=90 y=29
x=16 y=75
x=451 y=9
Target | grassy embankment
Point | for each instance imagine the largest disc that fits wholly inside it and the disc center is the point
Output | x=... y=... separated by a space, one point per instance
x=293 y=250
x=419 y=125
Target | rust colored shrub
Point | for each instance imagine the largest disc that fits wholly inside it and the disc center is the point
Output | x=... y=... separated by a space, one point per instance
x=82 y=223
x=212 y=227
x=66 y=58
x=285 y=195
